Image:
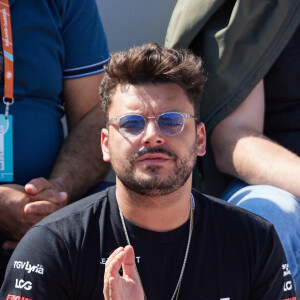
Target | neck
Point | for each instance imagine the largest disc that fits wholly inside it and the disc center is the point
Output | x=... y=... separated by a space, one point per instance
x=157 y=213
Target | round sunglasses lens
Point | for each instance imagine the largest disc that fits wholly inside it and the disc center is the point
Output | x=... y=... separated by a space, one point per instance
x=170 y=123
x=131 y=125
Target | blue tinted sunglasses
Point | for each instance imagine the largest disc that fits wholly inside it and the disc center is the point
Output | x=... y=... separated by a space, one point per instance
x=169 y=123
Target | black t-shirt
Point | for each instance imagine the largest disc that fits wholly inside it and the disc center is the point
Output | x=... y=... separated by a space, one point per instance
x=234 y=255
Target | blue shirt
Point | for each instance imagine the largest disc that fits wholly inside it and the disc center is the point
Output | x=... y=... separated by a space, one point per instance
x=53 y=40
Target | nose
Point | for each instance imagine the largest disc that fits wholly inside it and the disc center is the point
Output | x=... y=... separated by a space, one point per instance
x=152 y=136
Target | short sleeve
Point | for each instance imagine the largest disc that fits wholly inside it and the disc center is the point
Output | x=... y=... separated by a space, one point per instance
x=38 y=269
x=273 y=277
x=86 y=49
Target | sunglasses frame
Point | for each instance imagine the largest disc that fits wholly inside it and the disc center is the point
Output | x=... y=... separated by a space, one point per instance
x=184 y=116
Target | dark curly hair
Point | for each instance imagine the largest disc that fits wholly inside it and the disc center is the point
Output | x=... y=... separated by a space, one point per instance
x=153 y=63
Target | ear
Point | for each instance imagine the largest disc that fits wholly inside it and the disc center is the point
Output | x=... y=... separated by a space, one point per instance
x=201 y=139
x=104 y=144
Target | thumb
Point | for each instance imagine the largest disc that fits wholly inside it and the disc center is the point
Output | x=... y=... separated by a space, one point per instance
x=36 y=185
x=129 y=263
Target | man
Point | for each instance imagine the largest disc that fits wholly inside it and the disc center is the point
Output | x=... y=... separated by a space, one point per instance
x=251 y=105
x=184 y=245
x=59 y=51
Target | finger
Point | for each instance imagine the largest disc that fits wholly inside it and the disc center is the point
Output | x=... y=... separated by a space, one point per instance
x=36 y=185
x=10 y=245
x=113 y=291
x=108 y=271
x=43 y=189
x=112 y=275
x=129 y=262
x=50 y=194
x=113 y=255
x=41 y=208
x=109 y=261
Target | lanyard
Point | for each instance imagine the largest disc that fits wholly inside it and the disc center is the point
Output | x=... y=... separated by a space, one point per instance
x=7 y=46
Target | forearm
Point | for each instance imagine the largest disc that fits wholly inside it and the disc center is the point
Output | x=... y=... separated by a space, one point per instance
x=79 y=165
x=5 y=216
x=255 y=159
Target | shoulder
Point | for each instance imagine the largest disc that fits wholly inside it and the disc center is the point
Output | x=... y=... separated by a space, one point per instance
x=231 y=217
x=245 y=242
x=238 y=230
x=80 y=213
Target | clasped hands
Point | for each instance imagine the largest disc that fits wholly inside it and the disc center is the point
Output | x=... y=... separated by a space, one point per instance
x=23 y=206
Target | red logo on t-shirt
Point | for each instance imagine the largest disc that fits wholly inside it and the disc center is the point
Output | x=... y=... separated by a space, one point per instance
x=14 y=297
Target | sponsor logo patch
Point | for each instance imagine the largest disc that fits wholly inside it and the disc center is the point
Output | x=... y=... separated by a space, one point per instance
x=286 y=270
x=22 y=284
x=288 y=285
x=14 y=297
x=27 y=266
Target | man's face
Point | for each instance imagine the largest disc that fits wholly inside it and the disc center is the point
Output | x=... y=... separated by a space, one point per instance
x=152 y=163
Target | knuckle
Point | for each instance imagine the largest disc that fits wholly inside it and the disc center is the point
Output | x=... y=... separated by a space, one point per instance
x=50 y=194
x=48 y=209
x=37 y=180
